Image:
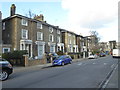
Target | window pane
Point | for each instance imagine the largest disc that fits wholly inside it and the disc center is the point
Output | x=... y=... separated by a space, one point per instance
x=39 y=36
x=39 y=25
x=24 y=34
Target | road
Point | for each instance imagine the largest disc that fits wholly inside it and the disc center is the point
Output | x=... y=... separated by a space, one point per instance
x=84 y=74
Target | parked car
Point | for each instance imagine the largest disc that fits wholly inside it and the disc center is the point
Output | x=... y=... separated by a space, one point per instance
x=92 y=56
x=5 y=69
x=62 y=60
x=102 y=54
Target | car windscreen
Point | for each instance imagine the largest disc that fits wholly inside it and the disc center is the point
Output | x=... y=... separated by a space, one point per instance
x=61 y=57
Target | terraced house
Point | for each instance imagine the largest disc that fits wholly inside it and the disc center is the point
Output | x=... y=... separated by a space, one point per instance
x=38 y=37
x=34 y=35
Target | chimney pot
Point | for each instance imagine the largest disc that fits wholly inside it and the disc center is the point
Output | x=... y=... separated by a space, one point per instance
x=12 y=9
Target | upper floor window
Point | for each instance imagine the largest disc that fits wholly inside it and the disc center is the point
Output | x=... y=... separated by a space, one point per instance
x=24 y=34
x=58 y=31
x=39 y=36
x=24 y=22
x=51 y=29
x=5 y=50
x=58 y=39
x=74 y=41
x=70 y=41
x=51 y=38
x=39 y=25
x=3 y=26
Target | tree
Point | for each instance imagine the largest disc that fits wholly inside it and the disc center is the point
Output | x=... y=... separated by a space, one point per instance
x=30 y=14
x=94 y=46
x=95 y=34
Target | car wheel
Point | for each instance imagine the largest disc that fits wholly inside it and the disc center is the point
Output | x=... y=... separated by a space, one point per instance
x=3 y=75
x=62 y=63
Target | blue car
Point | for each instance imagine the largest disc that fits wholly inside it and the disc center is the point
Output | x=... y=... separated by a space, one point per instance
x=62 y=60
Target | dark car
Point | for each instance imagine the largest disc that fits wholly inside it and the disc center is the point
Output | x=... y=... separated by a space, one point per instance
x=5 y=69
x=62 y=60
x=53 y=55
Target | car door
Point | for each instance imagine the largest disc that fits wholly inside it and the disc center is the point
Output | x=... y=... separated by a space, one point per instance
x=67 y=59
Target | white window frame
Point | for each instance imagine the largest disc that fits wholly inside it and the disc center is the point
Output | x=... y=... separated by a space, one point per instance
x=39 y=25
x=58 y=39
x=26 y=34
x=50 y=38
x=70 y=42
x=39 y=36
x=6 y=48
x=51 y=29
x=58 y=31
x=24 y=22
x=74 y=41
x=3 y=26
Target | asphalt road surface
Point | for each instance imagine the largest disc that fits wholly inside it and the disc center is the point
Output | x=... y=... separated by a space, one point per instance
x=84 y=74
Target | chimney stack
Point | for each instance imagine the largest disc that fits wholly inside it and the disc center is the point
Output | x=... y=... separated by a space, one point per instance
x=40 y=17
x=12 y=9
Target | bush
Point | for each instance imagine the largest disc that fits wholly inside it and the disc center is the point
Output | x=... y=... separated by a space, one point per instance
x=14 y=55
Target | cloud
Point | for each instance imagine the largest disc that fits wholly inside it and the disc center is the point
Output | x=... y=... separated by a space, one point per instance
x=90 y=14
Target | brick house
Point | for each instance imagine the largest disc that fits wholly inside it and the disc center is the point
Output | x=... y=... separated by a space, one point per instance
x=34 y=35
x=69 y=39
x=80 y=43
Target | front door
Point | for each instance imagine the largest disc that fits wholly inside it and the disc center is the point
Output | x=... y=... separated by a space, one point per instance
x=52 y=48
x=40 y=50
x=28 y=48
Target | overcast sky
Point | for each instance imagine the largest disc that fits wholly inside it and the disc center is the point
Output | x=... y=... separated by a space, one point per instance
x=79 y=16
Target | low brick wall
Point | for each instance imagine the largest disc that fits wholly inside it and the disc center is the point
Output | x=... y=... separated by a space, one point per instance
x=36 y=62
x=31 y=62
x=75 y=55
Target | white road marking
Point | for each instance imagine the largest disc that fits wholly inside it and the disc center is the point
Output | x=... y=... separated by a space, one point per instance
x=80 y=64
x=94 y=63
x=105 y=63
x=112 y=65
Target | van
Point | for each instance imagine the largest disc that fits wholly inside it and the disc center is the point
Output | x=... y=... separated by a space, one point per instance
x=116 y=53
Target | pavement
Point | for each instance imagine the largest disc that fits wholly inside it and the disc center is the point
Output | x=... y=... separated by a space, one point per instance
x=21 y=68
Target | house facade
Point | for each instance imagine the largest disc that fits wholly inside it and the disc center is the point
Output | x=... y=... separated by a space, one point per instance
x=70 y=41
x=34 y=35
x=38 y=37
x=81 y=43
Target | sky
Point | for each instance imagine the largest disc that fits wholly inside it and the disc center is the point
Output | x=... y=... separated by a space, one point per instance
x=79 y=16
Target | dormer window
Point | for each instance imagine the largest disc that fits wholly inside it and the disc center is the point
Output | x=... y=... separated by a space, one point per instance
x=39 y=25
x=50 y=29
x=24 y=22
